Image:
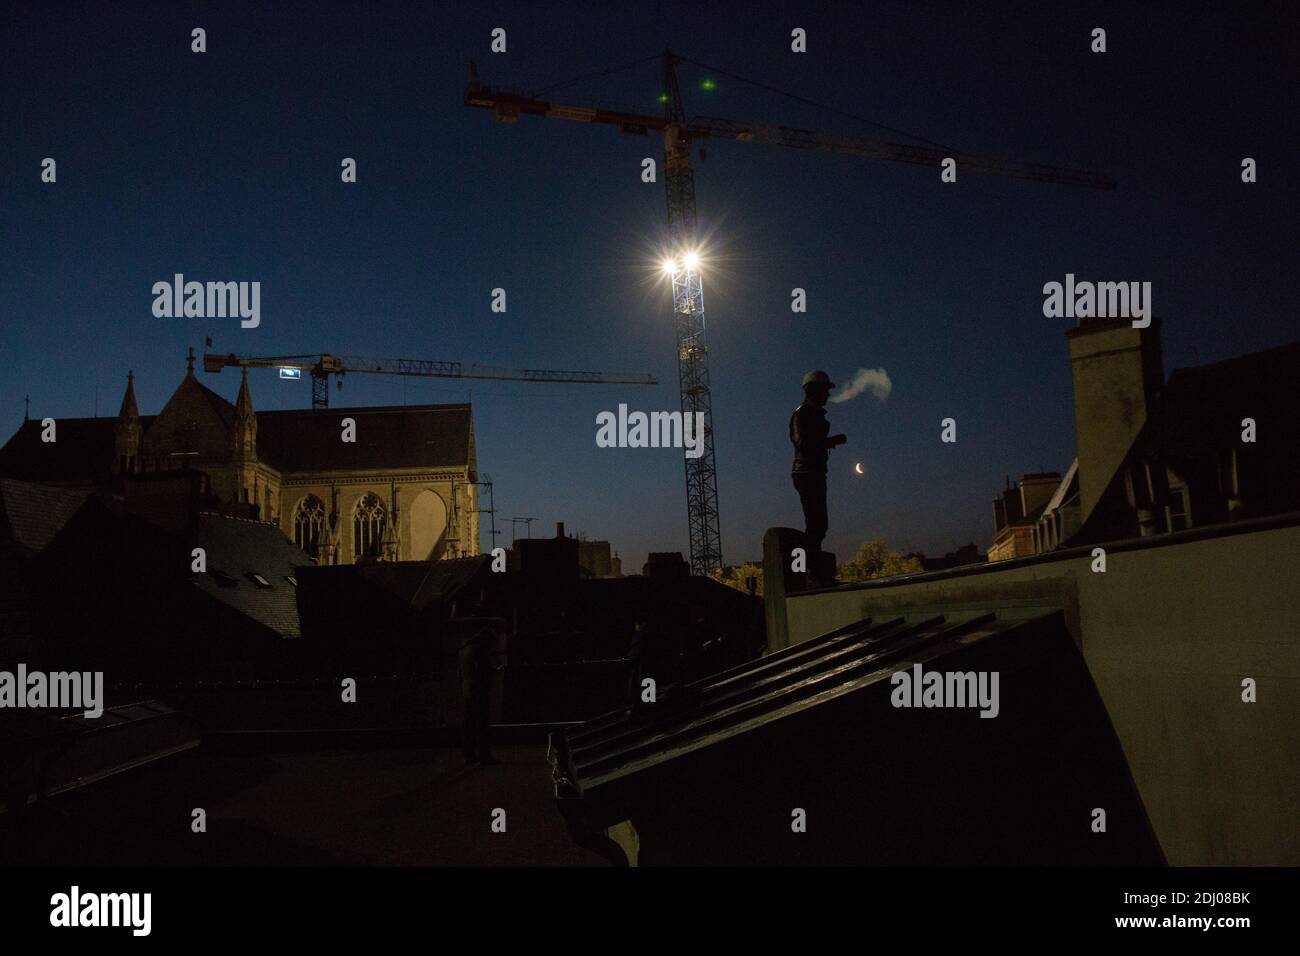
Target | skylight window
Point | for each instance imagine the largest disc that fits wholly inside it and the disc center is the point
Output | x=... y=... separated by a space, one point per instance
x=260 y=581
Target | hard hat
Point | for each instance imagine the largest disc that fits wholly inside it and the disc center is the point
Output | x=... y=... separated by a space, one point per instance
x=818 y=378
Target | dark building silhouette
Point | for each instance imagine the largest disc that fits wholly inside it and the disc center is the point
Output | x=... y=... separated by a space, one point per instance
x=1213 y=444
x=1190 y=464
x=966 y=554
x=144 y=613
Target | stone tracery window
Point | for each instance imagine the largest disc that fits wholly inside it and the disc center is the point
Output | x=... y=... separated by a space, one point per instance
x=368 y=527
x=309 y=524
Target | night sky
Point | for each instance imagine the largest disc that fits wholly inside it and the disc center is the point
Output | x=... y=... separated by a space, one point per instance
x=225 y=166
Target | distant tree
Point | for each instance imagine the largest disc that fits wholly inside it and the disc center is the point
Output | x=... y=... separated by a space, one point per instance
x=875 y=559
x=734 y=576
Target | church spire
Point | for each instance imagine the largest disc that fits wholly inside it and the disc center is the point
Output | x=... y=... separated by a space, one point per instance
x=126 y=432
x=244 y=403
x=244 y=429
x=129 y=412
x=189 y=363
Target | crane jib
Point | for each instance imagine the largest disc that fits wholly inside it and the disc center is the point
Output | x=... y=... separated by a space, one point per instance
x=509 y=106
x=321 y=366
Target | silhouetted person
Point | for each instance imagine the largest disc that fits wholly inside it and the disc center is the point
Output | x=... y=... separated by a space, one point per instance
x=810 y=435
x=474 y=662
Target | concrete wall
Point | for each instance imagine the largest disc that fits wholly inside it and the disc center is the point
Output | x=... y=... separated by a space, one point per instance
x=1169 y=632
x=1021 y=589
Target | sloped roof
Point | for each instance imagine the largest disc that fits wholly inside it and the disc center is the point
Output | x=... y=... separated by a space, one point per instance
x=298 y=440
x=224 y=409
x=1062 y=490
x=238 y=547
x=1199 y=410
x=392 y=436
x=32 y=514
x=82 y=452
x=445 y=578
x=745 y=698
x=417 y=583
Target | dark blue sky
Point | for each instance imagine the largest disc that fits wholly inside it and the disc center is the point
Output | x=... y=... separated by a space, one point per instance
x=225 y=166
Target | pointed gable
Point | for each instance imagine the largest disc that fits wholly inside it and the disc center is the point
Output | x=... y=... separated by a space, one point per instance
x=195 y=419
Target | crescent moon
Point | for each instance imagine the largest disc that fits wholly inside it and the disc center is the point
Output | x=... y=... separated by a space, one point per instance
x=858 y=468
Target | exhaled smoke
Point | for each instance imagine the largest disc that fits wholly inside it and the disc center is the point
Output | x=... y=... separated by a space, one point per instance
x=876 y=379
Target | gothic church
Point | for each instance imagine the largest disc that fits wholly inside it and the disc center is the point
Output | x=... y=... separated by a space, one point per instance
x=403 y=490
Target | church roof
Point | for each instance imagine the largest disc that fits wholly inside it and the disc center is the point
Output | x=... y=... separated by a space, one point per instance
x=224 y=409
x=392 y=436
x=83 y=451
x=298 y=440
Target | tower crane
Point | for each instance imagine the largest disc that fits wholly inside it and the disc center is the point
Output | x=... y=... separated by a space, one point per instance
x=322 y=365
x=680 y=134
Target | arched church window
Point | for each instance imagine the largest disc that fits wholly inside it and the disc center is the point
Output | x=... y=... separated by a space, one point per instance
x=308 y=524
x=368 y=526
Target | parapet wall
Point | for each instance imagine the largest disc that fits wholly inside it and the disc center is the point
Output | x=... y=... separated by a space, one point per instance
x=1170 y=631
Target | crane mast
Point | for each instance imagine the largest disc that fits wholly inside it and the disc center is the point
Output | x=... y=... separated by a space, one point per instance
x=688 y=321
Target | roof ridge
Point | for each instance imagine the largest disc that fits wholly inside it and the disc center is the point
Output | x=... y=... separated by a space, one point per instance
x=1237 y=359
x=214 y=394
x=451 y=406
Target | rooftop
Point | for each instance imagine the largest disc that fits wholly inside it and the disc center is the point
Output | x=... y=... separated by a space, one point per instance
x=406 y=807
x=294 y=440
x=252 y=568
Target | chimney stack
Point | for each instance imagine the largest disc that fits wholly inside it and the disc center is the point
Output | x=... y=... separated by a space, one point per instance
x=1117 y=370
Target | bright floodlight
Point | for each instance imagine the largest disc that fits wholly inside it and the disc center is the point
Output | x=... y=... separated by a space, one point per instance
x=692 y=260
x=669 y=266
